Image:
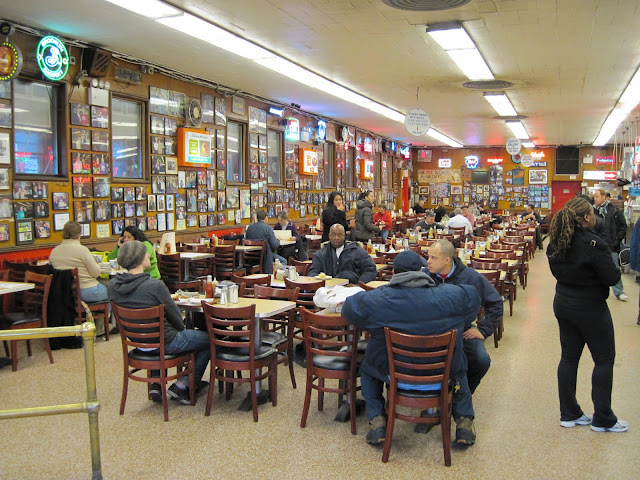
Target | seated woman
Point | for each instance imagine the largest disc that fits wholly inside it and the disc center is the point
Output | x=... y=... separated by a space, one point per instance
x=71 y=254
x=133 y=233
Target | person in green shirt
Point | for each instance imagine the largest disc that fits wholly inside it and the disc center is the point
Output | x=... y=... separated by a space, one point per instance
x=133 y=233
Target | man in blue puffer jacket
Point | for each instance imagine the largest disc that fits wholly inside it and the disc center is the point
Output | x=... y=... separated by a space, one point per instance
x=412 y=303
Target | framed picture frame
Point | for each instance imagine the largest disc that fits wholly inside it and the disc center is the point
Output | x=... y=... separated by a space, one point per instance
x=60 y=200
x=80 y=163
x=538 y=177
x=22 y=210
x=5 y=148
x=4 y=228
x=237 y=105
x=6 y=207
x=24 y=231
x=59 y=221
x=99 y=117
x=22 y=190
x=80 y=139
x=4 y=179
x=157 y=125
x=79 y=114
x=41 y=209
x=208 y=106
x=456 y=189
x=6 y=116
x=171 y=165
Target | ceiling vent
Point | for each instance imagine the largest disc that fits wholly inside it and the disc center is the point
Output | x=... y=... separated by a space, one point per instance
x=425 y=5
x=488 y=84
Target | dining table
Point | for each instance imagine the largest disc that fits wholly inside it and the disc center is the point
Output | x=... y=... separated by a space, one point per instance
x=13 y=287
x=188 y=257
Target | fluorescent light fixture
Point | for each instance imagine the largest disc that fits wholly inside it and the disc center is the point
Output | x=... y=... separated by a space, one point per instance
x=148 y=8
x=443 y=138
x=518 y=129
x=501 y=104
x=203 y=30
x=628 y=101
x=455 y=40
x=528 y=144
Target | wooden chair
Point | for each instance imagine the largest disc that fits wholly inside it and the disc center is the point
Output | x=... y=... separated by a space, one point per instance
x=205 y=266
x=17 y=271
x=129 y=323
x=306 y=291
x=458 y=231
x=232 y=334
x=490 y=253
x=387 y=272
x=365 y=287
x=423 y=360
x=222 y=241
x=493 y=277
x=507 y=286
x=41 y=269
x=331 y=349
x=277 y=331
x=99 y=310
x=226 y=261
x=250 y=283
x=32 y=315
x=314 y=246
x=254 y=260
x=301 y=267
x=171 y=273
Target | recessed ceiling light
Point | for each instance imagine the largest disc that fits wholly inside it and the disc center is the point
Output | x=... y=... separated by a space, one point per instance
x=501 y=104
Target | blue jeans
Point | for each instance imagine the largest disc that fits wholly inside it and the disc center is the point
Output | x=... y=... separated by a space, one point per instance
x=618 y=288
x=478 y=361
x=94 y=294
x=384 y=234
x=372 y=394
x=192 y=340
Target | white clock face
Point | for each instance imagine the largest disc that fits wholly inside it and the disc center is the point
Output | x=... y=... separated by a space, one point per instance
x=196 y=112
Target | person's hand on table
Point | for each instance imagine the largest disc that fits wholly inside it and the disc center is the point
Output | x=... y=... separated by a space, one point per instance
x=472 y=333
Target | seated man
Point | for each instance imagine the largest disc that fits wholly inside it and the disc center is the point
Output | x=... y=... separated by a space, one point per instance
x=412 y=303
x=136 y=289
x=429 y=224
x=418 y=208
x=468 y=215
x=261 y=231
x=458 y=221
x=383 y=219
x=533 y=217
x=283 y=223
x=341 y=259
x=444 y=267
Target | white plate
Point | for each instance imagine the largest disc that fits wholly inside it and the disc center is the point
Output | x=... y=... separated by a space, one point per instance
x=326 y=277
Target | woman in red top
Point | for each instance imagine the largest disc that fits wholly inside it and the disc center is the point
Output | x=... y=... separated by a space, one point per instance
x=382 y=218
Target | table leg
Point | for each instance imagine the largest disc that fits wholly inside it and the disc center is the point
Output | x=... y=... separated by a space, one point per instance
x=186 y=269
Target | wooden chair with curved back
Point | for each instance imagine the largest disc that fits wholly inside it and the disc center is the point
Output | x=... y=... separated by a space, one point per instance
x=420 y=359
x=458 y=231
x=226 y=261
x=331 y=351
x=506 y=286
x=301 y=267
x=99 y=310
x=250 y=283
x=130 y=321
x=32 y=315
x=254 y=259
x=306 y=291
x=277 y=331
x=493 y=277
x=171 y=273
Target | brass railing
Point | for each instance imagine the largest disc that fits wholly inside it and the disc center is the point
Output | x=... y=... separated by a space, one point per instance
x=87 y=331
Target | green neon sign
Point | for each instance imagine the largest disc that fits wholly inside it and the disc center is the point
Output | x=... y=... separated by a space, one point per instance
x=53 y=58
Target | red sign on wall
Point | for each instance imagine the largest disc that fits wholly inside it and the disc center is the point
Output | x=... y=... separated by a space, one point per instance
x=606 y=160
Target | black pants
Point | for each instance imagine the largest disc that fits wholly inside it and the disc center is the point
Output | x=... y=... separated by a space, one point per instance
x=585 y=321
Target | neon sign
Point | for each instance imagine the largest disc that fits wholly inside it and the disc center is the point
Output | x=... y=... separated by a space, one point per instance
x=292 y=130
x=537 y=155
x=472 y=161
x=53 y=58
x=10 y=61
x=606 y=160
x=494 y=161
x=322 y=130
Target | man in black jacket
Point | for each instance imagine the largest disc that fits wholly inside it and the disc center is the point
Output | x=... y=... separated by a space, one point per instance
x=342 y=259
x=611 y=225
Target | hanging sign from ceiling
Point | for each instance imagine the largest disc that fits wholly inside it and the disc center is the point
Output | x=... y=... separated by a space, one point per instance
x=527 y=160
x=53 y=58
x=514 y=145
x=10 y=61
x=417 y=122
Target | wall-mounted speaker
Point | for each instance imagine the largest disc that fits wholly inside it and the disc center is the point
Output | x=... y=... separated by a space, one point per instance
x=96 y=62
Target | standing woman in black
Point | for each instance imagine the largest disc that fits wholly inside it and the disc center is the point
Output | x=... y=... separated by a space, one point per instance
x=581 y=262
x=333 y=213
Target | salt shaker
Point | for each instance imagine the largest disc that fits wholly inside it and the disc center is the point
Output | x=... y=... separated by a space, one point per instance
x=224 y=295
x=233 y=293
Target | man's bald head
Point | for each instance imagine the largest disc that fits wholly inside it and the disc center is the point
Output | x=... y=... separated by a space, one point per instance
x=336 y=235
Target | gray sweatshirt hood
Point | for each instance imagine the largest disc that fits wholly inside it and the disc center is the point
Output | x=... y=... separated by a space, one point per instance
x=412 y=280
x=127 y=283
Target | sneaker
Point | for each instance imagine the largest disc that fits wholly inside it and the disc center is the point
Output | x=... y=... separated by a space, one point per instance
x=465 y=432
x=620 y=426
x=582 y=420
x=426 y=427
x=622 y=297
x=179 y=395
x=377 y=430
x=155 y=393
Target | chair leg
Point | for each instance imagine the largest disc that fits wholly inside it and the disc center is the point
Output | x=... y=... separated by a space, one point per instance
x=352 y=404
x=212 y=379
x=29 y=352
x=165 y=400
x=6 y=348
x=511 y=298
x=125 y=388
x=290 y=362
x=192 y=380
x=320 y=394
x=307 y=399
x=391 y=418
x=47 y=346
x=445 y=428
x=14 y=355
x=273 y=382
x=254 y=396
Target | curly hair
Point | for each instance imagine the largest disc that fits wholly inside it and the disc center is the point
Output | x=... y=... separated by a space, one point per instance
x=564 y=225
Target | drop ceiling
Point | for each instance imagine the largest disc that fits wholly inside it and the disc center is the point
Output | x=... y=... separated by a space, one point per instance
x=569 y=60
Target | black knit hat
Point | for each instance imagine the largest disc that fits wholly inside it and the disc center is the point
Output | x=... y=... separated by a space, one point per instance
x=131 y=254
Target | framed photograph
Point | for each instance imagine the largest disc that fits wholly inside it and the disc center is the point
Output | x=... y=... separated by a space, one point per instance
x=22 y=190
x=170 y=127
x=221 y=162
x=117 y=194
x=221 y=181
x=221 y=111
x=60 y=200
x=262 y=142
x=80 y=139
x=171 y=221
x=157 y=145
x=157 y=184
x=456 y=189
x=141 y=223
x=152 y=223
x=202 y=207
x=80 y=163
x=192 y=200
x=151 y=203
x=99 y=117
x=538 y=177
x=157 y=164
x=211 y=219
x=159 y=100
x=5 y=148
x=4 y=179
x=170 y=202
x=41 y=209
x=157 y=125
x=85 y=231
x=117 y=227
x=182 y=179
x=79 y=114
x=237 y=105
x=59 y=220
x=170 y=146
x=5 y=90
x=161 y=222
x=24 y=232
x=129 y=210
x=4 y=227
x=129 y=194
x=181 y=200
x=141 y=193
x=171 y=184
x=202 y=178
x=5 y=116
x=171 y=165
x=83 y=211
x=192 y=220
x=191 y=179
x=117 y=210
x=208 y=104
x=100 y=163
x=101 y=210
x=141 y=209
x=40 y=190
x=181 y=213
x=220 y=139
x=101 y=187
x=233 y=197
x=6 y=207
x=160 y=203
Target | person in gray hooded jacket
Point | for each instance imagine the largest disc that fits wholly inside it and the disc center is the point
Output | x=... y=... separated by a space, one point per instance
x=137 y=289
x=365 y=228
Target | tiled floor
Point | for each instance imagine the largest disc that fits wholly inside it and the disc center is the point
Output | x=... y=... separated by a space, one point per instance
x=517 y=421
